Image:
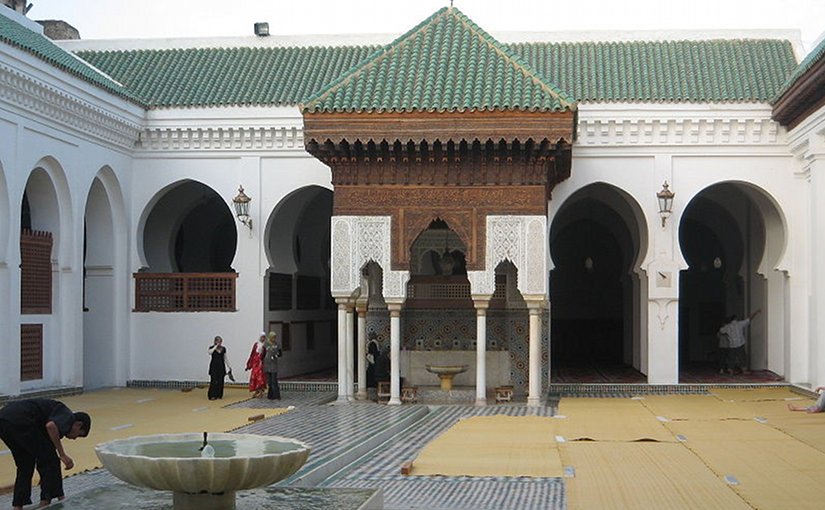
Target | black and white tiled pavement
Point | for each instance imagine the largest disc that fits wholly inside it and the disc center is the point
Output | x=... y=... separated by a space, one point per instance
x=362 y=445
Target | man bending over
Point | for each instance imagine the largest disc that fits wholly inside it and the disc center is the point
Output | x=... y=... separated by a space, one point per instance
x=32 y=430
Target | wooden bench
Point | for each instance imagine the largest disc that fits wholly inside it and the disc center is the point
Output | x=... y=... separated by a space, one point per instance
x=504 y=394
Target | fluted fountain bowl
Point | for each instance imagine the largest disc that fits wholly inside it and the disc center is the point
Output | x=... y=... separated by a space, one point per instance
x=446 y=373
x=174 y=462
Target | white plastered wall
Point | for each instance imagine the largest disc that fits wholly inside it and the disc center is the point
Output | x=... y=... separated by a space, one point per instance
x=46 y=131
x=222 y=149
x=636 y=148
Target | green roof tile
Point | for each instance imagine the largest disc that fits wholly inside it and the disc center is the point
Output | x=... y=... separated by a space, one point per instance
x=17 y=35
x=664 y=71
x=446 y=63
x=725 y=71
x=812 y=58
x=227 y=76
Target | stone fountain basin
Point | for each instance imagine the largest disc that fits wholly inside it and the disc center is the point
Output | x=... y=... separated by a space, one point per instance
x=446 y=369
x=172 y=462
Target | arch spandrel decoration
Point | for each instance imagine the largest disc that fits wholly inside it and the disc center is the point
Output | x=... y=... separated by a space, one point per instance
x=460 y=222
x=357 y=240
x=523 y=241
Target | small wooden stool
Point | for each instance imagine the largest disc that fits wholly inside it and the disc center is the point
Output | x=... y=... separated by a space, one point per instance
x=504 y=394
x=409 y=394
x=383 y=391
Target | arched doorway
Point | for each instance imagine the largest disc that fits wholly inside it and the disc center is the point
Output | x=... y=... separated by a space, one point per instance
x=298 y=303
x=44 y=217
x=100 y=332
x=596 y=333
x=189 y=229
x=731 y=236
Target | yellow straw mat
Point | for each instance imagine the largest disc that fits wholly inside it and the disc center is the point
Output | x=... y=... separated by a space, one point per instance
x=771 y=469
x=642 y=476
x=493 y=446
x=629 y=420
x=695 y=407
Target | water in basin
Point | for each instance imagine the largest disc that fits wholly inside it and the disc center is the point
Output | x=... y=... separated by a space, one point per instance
x=223 y=449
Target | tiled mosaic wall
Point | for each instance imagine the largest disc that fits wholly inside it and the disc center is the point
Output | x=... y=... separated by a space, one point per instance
x=431 y=330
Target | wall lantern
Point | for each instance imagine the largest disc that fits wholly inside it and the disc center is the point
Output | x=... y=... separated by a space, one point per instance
x=241 y=202
x=665 y=197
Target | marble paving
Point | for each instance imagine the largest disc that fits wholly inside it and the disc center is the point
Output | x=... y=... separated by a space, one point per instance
x=362 y=445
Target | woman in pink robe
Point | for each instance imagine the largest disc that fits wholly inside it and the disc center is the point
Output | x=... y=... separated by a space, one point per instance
x=257 y=381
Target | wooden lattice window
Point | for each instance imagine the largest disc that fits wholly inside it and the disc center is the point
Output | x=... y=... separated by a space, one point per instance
x=35 y=272
x=185 y=292
x=280 y=291
x=31 y=352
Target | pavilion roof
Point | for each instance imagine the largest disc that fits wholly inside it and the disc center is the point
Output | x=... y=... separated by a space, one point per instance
x=445 y=64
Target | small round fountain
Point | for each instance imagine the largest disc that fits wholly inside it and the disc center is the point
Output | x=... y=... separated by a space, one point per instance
x=203 y=475
x=446 y=373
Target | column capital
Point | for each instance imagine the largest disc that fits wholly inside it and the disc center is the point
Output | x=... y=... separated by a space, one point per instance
x=345 y=304
x=395 y=309
x=535 y=304
x=481 y=303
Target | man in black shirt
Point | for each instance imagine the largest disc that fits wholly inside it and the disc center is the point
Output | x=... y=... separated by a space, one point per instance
x=32 y=430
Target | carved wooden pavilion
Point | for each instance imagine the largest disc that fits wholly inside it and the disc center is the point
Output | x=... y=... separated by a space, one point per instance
x=442 y=125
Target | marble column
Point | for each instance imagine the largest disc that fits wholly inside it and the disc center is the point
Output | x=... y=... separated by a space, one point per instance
x=481 y=350
x=395 y=353
x=342 y=350
x=534 y=382
x=362 y=351
x=350 y=351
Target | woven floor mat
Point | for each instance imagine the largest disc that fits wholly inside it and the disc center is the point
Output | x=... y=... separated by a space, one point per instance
x=642 y=476
x=695 y=407
x=126 y=412
x=767 y=467
x=754 y=394
x=493 y=446
x=609 y=419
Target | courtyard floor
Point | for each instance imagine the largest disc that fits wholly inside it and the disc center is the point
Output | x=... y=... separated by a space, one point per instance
x=723 y=448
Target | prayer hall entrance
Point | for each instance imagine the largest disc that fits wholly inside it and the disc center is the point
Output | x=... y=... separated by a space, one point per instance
x=595 y=331
x=732 y=237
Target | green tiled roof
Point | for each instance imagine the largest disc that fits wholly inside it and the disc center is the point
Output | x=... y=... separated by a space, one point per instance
x=227 y=76
x=17 y=35
x=812 y=58
x=738 y=71
x=446 y=63
x=664 y=71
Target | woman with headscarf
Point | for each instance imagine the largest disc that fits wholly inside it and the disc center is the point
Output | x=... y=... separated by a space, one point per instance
x=218 y=368
x=255 y=364
x=273 y=352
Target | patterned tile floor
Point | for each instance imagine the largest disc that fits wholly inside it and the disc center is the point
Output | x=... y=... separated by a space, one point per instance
x=362 y=445
x=382 y=469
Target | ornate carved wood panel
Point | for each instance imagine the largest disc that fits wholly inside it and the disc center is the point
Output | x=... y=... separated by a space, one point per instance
x=459 y=167
x=31 y=352
x=35 y=272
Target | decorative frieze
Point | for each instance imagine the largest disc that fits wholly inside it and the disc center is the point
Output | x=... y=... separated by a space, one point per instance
x=42 y=99
x=677 y=131
x=222 y=138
